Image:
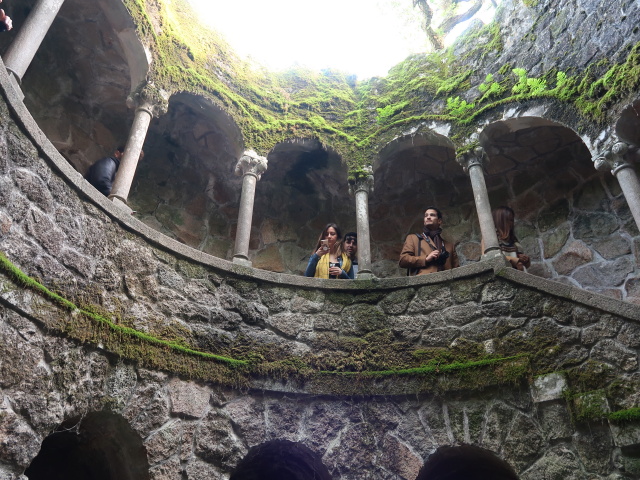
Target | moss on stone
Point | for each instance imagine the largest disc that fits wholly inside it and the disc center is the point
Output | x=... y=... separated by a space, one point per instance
x=628 y=415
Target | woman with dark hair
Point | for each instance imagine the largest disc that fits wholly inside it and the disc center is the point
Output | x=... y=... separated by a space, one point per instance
x=504 y=219
x=329 y=260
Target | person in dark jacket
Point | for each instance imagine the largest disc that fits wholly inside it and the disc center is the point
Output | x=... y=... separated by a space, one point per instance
x=102 y=173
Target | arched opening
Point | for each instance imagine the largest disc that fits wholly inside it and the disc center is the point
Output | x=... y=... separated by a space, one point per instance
x=185 y=186
x=281 y=460
x=466 y=462
x=570 y=219
x=304 y=188
x=411 y=173
x=77 y=84
x=99 y=446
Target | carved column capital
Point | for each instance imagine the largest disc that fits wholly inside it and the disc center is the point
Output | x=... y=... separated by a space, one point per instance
x=362 y=181
x=149 y=98
x=475 y=157
x=613 y=157
x=251 y=163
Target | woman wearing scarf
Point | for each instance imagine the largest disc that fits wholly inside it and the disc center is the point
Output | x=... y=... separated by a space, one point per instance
x=329 y=260
x=427 y=252
x=504 y=219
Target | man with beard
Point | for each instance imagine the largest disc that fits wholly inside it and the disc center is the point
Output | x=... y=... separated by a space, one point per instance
x=427 y=252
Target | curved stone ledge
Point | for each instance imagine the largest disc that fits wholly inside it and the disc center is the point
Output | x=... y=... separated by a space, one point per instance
x=23 y=118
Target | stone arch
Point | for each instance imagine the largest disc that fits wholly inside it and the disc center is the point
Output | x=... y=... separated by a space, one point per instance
x=410 y=173
x=186 y=187
x=309 y=179
x=628 y=125
x=465 y=462
x=571 y=219
x=100 y=446
x=281 y=460
x=77 y=85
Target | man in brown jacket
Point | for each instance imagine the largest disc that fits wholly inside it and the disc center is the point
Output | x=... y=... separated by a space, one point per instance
x=428 y=252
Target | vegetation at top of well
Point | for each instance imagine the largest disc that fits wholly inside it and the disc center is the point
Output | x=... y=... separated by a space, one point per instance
x=358 y=118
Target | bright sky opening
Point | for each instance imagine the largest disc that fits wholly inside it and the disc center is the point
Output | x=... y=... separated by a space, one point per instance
x=361 y=37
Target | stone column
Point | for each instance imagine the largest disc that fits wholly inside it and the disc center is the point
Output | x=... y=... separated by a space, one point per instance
x=472 y=162
x=618 y=158
x=360 y=188
x=147 y=101
x=251 y=166
x=26 y=43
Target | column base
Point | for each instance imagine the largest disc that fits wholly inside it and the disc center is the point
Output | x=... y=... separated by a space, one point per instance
x=15 y=81
x=365 y=275
x=121 y=204
x=242 y=260
x=493 y=252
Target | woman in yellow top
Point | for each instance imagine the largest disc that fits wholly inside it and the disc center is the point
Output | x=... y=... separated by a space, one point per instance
x=329 y=260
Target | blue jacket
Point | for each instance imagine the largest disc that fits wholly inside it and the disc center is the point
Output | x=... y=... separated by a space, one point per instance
x=313 y=262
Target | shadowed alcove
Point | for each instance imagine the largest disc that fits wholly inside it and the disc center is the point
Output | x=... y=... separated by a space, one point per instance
x=281 y=460
x=304 y=188
x=99 y=446
x=571 y=220
x=77 y=84
x=411 y=173
x=466 y=462
x=185 y=186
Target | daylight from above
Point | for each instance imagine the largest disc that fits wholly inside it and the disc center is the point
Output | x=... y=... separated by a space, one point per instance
x=361 y=37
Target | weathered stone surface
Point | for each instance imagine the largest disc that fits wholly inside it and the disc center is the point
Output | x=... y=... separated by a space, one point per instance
x=19 y=442
x=554 y=241
x=164 y=442
x=498 y=420
x=548 y=387
x=269 y=259
x=396 y=302
x=608 y=327
x=34 y=189
x=523 y=443
x=197 y=470
x=120 y=385
x=247 y=415
x=555 y=420
x=470 y=251
x=594 y=225
x=409 y=327
x=612 y=247
x=215 y=442
x=615 y=354
x=430 y=298
x=188 y=399
x=558 y=464
x=290 y=324
x=494 y=292
x=399 y=459
x=574 y=255
x=169 y=470
x=459 y=315
x=605 y=274
x=592 y=445
x=149 y=408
